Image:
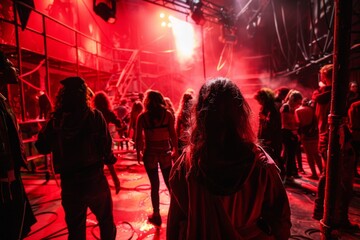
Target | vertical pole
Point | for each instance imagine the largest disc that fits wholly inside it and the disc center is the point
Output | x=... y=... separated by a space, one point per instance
x=47 y=78
x=340 y=78
x=203 y=51
x=77 y=53
x=18 y=48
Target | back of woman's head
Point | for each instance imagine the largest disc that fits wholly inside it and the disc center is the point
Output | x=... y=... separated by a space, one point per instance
x=73 y=96
x=137 y=107
x=221 y=114
x=101 y=101
x=186 y=102
x=154 y=101
x=293 y=97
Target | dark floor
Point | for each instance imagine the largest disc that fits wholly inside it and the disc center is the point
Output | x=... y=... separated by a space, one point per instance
x=132 y=206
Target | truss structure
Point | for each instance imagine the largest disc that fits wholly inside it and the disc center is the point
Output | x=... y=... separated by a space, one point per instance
x=211 y=12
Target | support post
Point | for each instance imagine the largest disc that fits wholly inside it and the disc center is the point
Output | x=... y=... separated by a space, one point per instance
x=340 y=80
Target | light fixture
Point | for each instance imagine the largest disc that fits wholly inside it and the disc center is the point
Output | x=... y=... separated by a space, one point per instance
x=106 y=12
x=197 y=14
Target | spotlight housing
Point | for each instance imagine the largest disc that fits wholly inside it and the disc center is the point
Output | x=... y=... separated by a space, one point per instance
x=197 y=14
x=106 y=12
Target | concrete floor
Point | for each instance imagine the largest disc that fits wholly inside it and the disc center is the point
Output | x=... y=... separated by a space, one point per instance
x=132 y=206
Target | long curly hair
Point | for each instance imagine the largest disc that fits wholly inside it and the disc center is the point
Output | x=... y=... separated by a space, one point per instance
x=265 y=97
x=183 y=114
x=222 y=116
x=70 y=99
x=154 y=104
x=101 y=101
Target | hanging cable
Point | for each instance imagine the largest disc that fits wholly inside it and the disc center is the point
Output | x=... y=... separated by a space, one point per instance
x=302 y=39
x=330 y=32
x=278 y=34
x=313 y=28
x=289 y=51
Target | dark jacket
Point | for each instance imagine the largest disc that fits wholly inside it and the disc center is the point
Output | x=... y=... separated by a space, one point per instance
x=15 y=209
x=79 y=141
x=12 y=153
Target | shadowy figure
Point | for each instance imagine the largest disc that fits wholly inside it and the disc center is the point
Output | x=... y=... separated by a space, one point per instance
x=289 y=132
x=224 y=186
x=169 y=105
x=183 y=119
x=102 y=103
x=136 y=109
x=322 y=97
x=270 y=126
x=309 y=136
x=79 y=139
x=160 y=146
x=45 y=105
x=16 y=215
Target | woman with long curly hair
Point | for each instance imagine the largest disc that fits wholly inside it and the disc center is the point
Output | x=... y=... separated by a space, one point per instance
x=270 y=126
x=225 y=186
x=160 y=146
x=183 y=119
x=102 y=103
x=79 y=139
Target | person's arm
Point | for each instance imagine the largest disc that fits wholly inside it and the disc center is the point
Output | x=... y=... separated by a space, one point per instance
x=106 y=148
x=139 y=138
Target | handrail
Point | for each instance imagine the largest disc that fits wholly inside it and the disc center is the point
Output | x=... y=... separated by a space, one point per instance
x=127 y=66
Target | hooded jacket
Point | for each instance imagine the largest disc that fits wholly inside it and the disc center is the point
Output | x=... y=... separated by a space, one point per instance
x=239 y=198
x=80 y=142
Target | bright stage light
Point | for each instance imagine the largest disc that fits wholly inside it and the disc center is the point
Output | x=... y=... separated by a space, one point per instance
x=184 y=36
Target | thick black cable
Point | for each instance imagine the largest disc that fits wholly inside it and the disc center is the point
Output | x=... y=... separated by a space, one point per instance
x=300 y=29
x=313 y=28
x=278 y=33
x=289 y=50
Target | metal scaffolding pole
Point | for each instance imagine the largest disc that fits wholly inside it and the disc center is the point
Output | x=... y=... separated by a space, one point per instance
x=341 y=56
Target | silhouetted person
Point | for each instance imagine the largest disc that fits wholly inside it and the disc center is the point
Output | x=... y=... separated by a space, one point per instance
x=16 y=215
x=169 y=105
x=102 y=103
x=79 y=139
x=270 y=126
x=309 y=136
x=224 y=186
x=280 y=95
x=156 y=125
x=136 y=109
x=289 y=131
x=183 y=119
x=45 y=105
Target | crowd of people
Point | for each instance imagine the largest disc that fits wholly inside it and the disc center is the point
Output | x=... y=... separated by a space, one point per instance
x=224 y=180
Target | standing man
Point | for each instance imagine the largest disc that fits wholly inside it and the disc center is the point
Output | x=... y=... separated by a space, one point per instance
x=16 y=215
x=79 y=139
